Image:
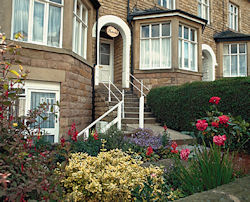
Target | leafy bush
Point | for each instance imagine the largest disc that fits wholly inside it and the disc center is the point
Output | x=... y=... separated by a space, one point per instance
x=178 y=106
x=108 y=177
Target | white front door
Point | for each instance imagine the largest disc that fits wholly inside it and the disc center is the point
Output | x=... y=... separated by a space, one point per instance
x=106 y=61
x=39 y=93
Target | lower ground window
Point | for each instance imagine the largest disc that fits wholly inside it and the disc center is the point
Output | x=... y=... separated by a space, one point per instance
x=234 y=60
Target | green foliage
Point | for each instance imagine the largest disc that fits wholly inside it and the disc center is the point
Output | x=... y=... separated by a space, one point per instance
x=178 y=106
x=210 y=168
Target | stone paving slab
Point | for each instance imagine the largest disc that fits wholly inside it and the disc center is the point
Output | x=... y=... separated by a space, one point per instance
x=237 y=191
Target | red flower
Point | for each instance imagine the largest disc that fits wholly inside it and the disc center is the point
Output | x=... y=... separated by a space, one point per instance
x=62 y=141
x=95 y=135
x=214 y=100
x=174 y=151
x=215 y=124
x=184 y=154
x=223 y=119
x=219 y=140
x=22 y=167
x=201 y=125
x=6 y=94
x=165 y=128
x=149 y=151
x=73 y=132
x=174 y=146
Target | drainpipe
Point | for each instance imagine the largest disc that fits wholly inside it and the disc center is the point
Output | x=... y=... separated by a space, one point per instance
x=132 y=46
x=93 y=69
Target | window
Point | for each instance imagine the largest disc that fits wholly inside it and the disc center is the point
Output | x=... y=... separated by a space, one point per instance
x=203 y=9
x=170 y=4
x=155 y=46
x=39 y=21
x=233 y=17
x=187 y=48
x=234 y=60
x=80 y=23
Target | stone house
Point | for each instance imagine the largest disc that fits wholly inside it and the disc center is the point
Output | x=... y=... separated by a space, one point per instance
x=73 y=46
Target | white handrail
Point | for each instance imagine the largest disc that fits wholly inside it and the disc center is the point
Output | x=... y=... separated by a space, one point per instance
x=141 y=82
x=110 y=91
x=116 y=120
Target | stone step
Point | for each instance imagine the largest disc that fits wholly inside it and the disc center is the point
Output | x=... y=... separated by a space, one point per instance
x=127 y=104
x=136 y=120
x=135 y=109
x=136 y=115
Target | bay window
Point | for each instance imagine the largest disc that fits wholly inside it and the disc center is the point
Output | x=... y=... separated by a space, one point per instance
x=187 y=48
x=170 y=4
x=155 y=46
x=233 y=16
x=39 y=21
x=234 y=60
x=80 y=26
x=203 y=9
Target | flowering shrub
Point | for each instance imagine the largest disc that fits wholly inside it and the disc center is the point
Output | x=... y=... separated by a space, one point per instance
x=184 y=154
x=219 y=140
x=108 y=177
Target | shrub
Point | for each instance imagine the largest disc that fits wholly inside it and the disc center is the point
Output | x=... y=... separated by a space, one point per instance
x=178 y=106
x=108 y=177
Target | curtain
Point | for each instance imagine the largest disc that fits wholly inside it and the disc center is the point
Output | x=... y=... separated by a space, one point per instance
x=77 y=30
x=38 y=98
x=54 y=26
x=145 y=59
x=155 y=53
x=38 y=22
x=226 y=65
x=165 y=55
x=192 y=56
x=180 y=53
x=21 y=18
x=243 y=65
x=186 y=54
x=234 y=65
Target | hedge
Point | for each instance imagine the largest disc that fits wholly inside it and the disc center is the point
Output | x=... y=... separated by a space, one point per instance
x=179 y=106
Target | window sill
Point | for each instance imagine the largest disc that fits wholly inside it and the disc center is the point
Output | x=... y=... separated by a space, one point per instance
x=189 y=70
x=152 y=69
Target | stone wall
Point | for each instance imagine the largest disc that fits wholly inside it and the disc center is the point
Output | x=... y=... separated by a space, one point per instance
x=118 y=60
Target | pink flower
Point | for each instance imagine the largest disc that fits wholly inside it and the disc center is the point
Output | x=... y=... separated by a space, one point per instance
x=201 y=125
x=219 y=140
x=149 y=151
x=214 y=100
x=184 y=154
x=223 y=119
x=215 y=124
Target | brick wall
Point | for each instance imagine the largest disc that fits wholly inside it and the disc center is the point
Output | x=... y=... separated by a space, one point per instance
x=75 y=91
x=118 y=54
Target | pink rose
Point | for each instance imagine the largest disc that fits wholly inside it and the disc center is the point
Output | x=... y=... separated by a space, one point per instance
x=201 y=125
x=214 y=100
x=184 y=154
x=223 y=119
x=219 y=140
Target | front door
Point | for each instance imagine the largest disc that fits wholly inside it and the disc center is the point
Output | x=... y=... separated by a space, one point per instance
x=106 y=61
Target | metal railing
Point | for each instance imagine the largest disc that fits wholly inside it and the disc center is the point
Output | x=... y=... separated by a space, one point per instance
x=141 y=104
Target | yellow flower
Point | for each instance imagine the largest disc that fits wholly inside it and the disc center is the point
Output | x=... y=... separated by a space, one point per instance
x=15 y=124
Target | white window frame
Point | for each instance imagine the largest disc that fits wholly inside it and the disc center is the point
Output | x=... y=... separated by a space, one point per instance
x=150 y=46
x=46 y=22
x=161 y=3
x=182 y=39
x=204 y=7
x=238 y=59
x=235 y=15
x=82 y=25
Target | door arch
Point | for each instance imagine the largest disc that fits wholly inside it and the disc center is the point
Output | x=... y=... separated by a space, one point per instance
x=208 y=63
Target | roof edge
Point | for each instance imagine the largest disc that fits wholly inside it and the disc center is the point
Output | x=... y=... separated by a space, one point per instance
x=95 y=3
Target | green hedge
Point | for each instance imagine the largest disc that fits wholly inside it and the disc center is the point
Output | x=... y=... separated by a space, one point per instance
x=178 y=106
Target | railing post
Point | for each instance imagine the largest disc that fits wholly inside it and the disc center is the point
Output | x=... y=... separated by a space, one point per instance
x=119 y=116
x=123 y=103
x=141 y=87
x=86 y=135
x=141 y=112
x=109 y=92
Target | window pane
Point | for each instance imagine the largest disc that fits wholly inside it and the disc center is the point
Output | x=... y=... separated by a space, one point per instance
x=186 y=33
x=186 y=54
x=180 y=53
x=242 y=48
x=226 y=66
x=171 y=6
x=38 y=22
x=54 y=26
x=165 y=3
x=155 y=55
x=78 y=9
x=21 y=18
x=166 y=56
x=57 y=1
x=84 y=15
x=192 y=56
x=226 y=49
x=234 y=48
x=234 y=63
x=77 y=31
x=144 y=53
x=165 y=29
x=105 y=59
x=243 y=66
x=145 y=31
x=231 y=21
x=180 y=31
x=105 y=48
x=82 y=41
x=155 y=30
x=199 y=10
x=192 y=33
x=236 y=22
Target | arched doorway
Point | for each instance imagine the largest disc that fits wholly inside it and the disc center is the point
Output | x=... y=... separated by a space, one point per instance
x=124 y=30
x=208 y=63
